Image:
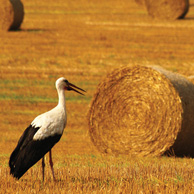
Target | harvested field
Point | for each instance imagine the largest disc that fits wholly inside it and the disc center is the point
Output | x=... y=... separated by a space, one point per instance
x=83 y=41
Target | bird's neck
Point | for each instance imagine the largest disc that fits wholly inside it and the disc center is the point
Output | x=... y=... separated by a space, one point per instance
x=61 y=95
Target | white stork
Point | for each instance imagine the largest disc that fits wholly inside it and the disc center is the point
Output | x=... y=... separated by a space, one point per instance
x=42 y=134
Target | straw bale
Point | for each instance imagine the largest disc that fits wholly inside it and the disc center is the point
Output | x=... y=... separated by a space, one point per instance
x=144 y=111
x=18 y=14
x=12 y=14
x=167 y=9
x=7 y=15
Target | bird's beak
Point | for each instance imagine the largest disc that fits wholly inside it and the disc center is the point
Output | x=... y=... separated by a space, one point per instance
x=73 y=87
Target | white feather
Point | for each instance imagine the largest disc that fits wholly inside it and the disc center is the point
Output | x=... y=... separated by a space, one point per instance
x=51 y=123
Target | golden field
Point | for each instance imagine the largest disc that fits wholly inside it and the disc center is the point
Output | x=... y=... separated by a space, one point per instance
x=82 y=41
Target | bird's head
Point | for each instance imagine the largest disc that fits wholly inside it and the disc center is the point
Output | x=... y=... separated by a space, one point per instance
x=62 y=83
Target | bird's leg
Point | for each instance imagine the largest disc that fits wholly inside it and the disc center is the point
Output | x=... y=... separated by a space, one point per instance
x=51 y=164
x=43 y=165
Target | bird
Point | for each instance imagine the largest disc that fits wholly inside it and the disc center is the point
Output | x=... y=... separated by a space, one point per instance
x=42 y=134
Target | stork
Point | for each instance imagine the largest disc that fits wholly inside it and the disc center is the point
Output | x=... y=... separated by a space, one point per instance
x=41 y=135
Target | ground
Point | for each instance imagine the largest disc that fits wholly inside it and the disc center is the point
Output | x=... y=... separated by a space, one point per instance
x=83 y=41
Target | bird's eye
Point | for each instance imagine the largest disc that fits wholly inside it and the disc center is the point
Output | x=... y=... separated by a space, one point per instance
x=66 y=81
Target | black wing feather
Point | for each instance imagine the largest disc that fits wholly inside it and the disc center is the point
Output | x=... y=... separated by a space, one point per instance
x=29 y=151
x=24 y=139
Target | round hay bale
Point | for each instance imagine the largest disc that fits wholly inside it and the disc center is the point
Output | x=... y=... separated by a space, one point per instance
x=143 y=111
x=18 y=14
x=7 y=14
x=12 y=14
x=167 y=9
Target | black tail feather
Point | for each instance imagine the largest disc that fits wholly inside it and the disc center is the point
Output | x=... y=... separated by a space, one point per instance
x=29 y=152
x=16 y=164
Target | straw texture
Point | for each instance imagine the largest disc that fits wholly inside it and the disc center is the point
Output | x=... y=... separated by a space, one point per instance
x=7 y=15
x=143 y=111
x=167 y=9
x=12 y=14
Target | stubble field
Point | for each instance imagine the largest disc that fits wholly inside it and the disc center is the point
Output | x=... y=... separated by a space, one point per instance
x=82 y=41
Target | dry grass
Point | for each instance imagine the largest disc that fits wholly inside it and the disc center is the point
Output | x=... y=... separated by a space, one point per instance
x=83 y=40
x=96 y=174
